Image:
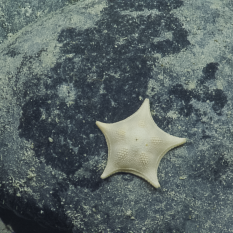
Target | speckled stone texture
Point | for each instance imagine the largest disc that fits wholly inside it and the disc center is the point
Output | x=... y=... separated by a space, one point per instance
x=98 y=60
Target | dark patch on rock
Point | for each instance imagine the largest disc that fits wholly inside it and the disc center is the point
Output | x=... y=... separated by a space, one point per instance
x=219 y=98
x=20 y=225
x=179 y=37
x=209 y=72
x=12 y=53
x=200 y=93
x=164 y=104
x=217 y=170
x=28 y=210
x=179 y=92
x=92 y=183
x=180 y=217
x=205 y=136
x=163 y=6
x=128 y=177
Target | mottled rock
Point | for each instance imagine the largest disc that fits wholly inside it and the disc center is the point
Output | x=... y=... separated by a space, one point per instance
x=98 y=60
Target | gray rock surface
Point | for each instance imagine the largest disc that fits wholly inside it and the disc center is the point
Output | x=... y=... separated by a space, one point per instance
x=14 y=15
x=4 y=228
x=98 y=60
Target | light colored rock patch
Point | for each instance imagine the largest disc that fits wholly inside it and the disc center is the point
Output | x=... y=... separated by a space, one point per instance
x=4 y=228
x=67 y=92
x=173 y=114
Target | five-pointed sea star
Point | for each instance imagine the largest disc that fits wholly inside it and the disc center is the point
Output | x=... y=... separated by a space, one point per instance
x=136 y=145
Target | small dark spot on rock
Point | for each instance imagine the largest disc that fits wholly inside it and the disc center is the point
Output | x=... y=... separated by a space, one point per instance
x=209 y=72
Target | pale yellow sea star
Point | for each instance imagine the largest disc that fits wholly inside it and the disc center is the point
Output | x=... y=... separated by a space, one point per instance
x=136 y=145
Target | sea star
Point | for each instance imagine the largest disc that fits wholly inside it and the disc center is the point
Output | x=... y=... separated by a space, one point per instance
x=136 y=145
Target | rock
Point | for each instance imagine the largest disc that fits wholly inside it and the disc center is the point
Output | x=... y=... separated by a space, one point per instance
x=4 y=228
x=98 y=60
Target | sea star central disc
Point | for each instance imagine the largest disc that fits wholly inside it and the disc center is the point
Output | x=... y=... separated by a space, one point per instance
x=136 y=145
